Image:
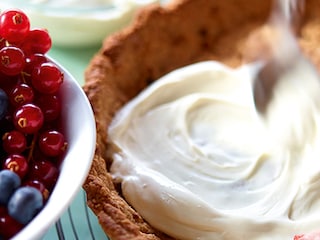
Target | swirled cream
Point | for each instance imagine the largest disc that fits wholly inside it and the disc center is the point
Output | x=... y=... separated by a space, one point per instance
x=197 y=161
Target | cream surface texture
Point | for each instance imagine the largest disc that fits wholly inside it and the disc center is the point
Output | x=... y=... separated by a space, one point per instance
x=197 y=160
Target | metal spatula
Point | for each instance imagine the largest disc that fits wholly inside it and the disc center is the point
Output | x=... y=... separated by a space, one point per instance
x=287 y=88
x=286 y=57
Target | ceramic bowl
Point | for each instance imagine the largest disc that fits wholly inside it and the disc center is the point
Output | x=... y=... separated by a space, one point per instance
x=80 y=132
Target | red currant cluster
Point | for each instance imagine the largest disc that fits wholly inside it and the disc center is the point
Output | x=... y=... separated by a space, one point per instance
x=32 y=144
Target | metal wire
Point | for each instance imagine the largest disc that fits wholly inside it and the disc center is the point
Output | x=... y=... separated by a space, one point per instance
x=87 y=216
x=60 y=230
x=75 y=234
x=72 y=224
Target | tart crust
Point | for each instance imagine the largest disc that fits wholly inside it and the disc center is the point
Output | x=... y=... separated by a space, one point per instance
x=159 y=40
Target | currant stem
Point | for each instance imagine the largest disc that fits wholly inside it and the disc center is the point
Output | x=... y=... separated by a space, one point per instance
x=24 y=75
x=32 y=147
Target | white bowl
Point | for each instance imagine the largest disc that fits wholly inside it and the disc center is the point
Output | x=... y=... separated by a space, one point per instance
x=79 y=125
x=75 y=23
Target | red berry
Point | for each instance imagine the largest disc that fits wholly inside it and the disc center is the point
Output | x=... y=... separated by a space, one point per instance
x=12 y=60
x=21 y=94
x=28 y=118
x=47 y=78
x=14 y=25
x=33 y=61
x=16 y=163
x=50 y=106
x=52 y=143
x=8 y=226
x=45 y=172
x=37 y=41
x=14 y=142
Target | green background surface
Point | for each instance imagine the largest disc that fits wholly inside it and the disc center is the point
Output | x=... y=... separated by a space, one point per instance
x=75 y=61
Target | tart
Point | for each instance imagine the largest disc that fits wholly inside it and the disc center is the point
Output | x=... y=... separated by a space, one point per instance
x=159 y=40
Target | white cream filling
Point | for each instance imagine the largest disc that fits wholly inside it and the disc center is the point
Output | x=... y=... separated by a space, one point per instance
x=197 y=161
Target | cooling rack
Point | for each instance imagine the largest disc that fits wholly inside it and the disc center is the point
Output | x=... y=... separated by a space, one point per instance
x=77 y=223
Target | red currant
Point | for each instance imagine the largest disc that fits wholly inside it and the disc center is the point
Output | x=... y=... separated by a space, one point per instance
x=16 y=163
x=52 y=143
x=33 y=61
x=28 y=118
x=14 y=25
x=45 y=172
x=37 y=41
x=14 y=142
x=8 y=226
x=21 y=94
x=50 y=106
x=12 y=60
x=47 y=78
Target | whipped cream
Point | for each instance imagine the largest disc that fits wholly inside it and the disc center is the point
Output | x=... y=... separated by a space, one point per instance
x=197 y=160
x=78 y=23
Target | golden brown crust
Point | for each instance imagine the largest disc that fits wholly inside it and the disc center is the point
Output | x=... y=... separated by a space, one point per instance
x=158 y=41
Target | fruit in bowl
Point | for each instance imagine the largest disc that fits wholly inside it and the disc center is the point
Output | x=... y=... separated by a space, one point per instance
x=45 y=156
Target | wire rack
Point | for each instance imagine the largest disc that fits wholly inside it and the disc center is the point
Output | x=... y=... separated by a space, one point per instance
x=77 y=223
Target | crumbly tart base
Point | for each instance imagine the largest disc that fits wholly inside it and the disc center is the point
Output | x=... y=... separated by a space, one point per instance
x=159 y=40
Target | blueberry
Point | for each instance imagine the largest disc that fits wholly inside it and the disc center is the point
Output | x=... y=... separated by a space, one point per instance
x=3 y=103
x=9 y=182
x=24 y=204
